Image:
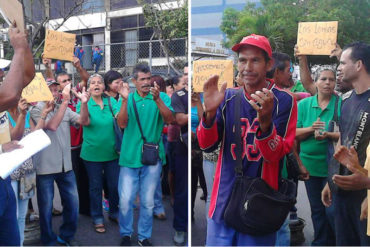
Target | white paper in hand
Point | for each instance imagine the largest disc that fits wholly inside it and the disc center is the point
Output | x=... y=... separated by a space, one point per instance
x=32 y=144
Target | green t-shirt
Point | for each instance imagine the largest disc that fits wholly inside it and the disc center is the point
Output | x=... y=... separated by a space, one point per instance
x=298 y=88
x=99 y=137
x=313 y=152
x=152 y=124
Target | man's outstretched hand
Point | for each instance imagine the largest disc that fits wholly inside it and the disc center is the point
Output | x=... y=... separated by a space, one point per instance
x=212 y=97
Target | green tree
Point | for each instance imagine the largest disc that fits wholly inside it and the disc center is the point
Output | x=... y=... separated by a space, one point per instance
x=278 y=20
x=168 y=22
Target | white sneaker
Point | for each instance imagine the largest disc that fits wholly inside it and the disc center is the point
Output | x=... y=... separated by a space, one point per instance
x=179 y=238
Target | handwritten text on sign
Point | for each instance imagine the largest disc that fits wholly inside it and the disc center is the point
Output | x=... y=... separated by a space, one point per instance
x=203 y=69
x=59 y=45
x=37 y=90
x=317 y=38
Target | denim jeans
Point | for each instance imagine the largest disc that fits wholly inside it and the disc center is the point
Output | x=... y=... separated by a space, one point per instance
x=95 y=173
x=218 y=234
x=349 y=230
x=9 y=232
x=82 y=181
x=158 y=204
x=22 y=207
x=180 y=206
x=322 y=217
x=66 y=182
x=209 y=169
x=143 y=180
x=283 y=234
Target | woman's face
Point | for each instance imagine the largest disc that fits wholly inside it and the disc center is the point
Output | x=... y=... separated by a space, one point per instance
x=113 y=87
x=96 y=87
x=326 y=82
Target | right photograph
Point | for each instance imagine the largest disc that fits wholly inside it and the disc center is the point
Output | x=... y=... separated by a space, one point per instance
x=280 y=105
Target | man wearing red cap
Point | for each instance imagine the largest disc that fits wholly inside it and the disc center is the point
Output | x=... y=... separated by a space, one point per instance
x=266 y=115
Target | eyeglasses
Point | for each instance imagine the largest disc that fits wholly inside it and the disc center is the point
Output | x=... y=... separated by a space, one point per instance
x=66 y=80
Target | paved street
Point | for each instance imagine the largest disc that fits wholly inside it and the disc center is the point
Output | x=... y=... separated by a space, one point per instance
x=199 y=226
x=86 y=235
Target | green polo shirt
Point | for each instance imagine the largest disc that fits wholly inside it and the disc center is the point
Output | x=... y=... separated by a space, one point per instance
x=298 y=87
x=152 y=124
x=313 y=152
x=99 y=137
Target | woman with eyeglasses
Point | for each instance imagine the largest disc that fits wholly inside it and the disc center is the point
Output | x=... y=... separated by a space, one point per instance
x=314 y=115
x=98 y=149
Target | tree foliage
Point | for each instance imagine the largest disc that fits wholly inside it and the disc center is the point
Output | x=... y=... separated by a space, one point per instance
x=278 y=20
x=168 y=22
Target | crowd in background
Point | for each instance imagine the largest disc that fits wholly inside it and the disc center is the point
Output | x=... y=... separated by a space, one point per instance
x=95 y=126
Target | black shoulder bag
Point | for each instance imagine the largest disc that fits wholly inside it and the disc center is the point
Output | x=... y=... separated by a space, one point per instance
x=117 y=130
x=149 y=151
x=254 y=207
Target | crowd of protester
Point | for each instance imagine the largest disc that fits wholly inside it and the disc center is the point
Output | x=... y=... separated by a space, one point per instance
x=86 y=161
x=319 y=124
x=320 y=121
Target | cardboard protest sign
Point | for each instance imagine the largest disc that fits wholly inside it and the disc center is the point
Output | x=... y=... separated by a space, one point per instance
x=203 y=69
x=12 y=11
x=37 y=90
x=59 y=45
x=317 y=38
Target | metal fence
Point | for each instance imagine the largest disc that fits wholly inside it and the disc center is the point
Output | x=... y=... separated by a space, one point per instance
x=124 y=56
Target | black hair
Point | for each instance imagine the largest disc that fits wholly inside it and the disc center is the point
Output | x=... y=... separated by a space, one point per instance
x=60 y=74
x=141 y=67
x=360 y=51
x=279 y=59
x=175 y=80
x=110 y=76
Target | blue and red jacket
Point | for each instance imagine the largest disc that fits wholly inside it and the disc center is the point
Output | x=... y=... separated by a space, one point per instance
x=261 y=152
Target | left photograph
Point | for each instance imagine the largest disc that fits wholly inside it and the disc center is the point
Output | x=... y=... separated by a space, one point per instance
x=94 y=122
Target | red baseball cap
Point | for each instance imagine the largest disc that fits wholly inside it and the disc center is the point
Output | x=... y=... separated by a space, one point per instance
x=256 y=40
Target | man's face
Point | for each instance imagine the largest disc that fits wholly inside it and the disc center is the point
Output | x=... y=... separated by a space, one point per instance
x=342 y=86
x=252 y=66
x=54 y=89
x=283 y=77
x=143 y=83
x=63 y=80
x=347 y=68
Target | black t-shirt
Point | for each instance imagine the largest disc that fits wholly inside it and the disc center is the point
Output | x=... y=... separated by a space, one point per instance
x=179 y=102
x=354 y=124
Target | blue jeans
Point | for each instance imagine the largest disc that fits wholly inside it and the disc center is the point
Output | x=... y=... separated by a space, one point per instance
x=9 y=232
x=131 y=181
x=180 y=205
x=283 y=235
x=209 y=169
x=322 y=217
x=66 y=182
x=218 y=234
x=349 y=230
x=158 y=205
x=22 y=207
x=95 y=174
